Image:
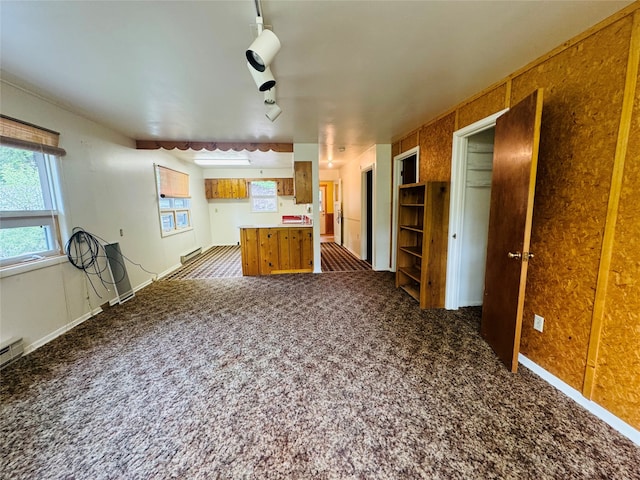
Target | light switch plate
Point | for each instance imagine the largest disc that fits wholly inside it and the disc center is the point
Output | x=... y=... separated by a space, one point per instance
x=538 y=322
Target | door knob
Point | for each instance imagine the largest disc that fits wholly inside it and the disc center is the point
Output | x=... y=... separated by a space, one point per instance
x=517 y=255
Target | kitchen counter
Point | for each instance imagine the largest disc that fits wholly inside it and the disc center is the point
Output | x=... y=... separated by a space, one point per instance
x=278 y=225
x=277 y=248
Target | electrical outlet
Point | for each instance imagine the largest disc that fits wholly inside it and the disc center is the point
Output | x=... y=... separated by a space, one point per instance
x=538 y=322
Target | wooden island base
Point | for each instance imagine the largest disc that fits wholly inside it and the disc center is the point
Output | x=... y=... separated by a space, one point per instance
x=277 y=249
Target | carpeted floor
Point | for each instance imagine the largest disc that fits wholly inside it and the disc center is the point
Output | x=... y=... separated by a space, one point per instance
x=290 y=377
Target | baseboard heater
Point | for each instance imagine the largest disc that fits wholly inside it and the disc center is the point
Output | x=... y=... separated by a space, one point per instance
x=190 y=255
x=10 y=351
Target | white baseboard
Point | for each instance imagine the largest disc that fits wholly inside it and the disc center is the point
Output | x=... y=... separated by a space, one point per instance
x=64 y=329
x=604 y=415
x=167 y=271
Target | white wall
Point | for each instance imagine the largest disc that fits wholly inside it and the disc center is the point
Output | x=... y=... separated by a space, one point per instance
x=378 y=157
x=309 y=152
x=108 y=185
x=226 y=215
x=382 y=208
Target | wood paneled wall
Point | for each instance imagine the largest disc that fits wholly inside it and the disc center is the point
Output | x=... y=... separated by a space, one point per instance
x=570 y=279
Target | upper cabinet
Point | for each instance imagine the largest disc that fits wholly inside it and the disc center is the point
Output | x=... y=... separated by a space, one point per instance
x=226 y=188
x=215 y=188
x=302 y=182
x=285 y=187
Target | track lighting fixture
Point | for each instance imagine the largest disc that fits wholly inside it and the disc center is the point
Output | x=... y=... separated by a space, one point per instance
x=259 y=55
x=270 y=96
x=263 y=49
x=264 y=80
x=273 y=112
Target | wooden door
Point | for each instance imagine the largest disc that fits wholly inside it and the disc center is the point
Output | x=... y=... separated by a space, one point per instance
x=249 y=242
x=515 y=159
x=284 y=235
x=307 y=249
x=295 y=249
x=269 y=251
x=302 y=182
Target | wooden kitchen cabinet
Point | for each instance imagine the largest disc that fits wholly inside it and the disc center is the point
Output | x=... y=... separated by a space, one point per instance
x=267 y=251
x=250 y=242
x=302 y=182
x=225 y=188
x=285 y=187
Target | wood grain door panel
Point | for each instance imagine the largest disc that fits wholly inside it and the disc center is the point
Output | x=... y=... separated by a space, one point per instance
x=515 y=161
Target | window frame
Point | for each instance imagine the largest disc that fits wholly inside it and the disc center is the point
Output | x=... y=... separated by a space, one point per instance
x=47 y=217
x=172 y=182
x=253 y=196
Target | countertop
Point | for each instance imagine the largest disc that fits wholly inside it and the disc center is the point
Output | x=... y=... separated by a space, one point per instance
x=279 y=225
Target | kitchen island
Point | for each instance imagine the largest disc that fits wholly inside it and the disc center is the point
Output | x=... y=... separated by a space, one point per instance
x=273 y=249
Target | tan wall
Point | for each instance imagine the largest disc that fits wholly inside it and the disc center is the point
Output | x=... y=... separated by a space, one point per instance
x=571 y=283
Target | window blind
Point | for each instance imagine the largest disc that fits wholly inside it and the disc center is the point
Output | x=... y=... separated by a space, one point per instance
x=172 y=184
x=17 y=134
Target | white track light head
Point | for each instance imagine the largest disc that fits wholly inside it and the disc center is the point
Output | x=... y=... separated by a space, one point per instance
x=264 y=80
x=263 y=50
x=273 y=112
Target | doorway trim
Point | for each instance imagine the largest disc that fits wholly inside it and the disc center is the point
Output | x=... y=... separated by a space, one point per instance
x=456 y=204
x=363 y=210
x=397 y=170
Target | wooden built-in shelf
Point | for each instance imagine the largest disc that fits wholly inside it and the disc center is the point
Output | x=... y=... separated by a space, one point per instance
x=421 y=261
x=413 y=228
x=417 y=251
x=413 y=290
x=411 y=272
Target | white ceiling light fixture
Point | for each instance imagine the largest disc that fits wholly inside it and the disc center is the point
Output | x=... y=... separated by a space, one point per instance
x=264 y=80
x=270 y=96
x=222 y=162
x=264 y=48
x=259 y=55
x=273 y=112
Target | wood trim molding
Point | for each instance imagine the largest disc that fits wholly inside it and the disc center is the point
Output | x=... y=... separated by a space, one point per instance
x=211 y=146
x=597 y=318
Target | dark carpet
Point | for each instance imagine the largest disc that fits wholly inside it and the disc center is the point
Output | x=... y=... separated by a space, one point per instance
x=336 y=258
x=290 y=377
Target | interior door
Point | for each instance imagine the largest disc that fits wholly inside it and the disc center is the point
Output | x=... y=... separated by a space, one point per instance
x=323 y=209
x=515 y=160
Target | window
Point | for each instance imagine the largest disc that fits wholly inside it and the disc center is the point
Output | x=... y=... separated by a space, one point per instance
x=264 y=196
x=28 y=205
x=174 y=204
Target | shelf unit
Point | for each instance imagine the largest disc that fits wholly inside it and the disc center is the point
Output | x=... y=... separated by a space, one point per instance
x=423 y=222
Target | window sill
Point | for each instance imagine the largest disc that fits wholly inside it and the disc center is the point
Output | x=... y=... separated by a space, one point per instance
x=175 y=232
x=25 y=267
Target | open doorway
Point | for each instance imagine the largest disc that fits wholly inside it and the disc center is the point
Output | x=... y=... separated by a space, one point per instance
x=367 y=216
x=326 y=208
x=471 y=170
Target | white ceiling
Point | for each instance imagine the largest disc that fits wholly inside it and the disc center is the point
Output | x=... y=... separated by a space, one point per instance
x=350 y=73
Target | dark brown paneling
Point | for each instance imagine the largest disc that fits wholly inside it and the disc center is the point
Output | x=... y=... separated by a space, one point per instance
x=584 y=87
